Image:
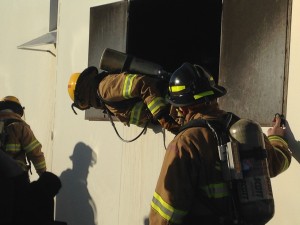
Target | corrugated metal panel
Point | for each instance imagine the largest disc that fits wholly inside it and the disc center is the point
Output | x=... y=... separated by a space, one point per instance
x=108 y=29
x=253 y=65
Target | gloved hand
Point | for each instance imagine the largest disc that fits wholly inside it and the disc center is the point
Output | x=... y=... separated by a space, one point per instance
x=276 y=129
x=294 y=145
x=169 y=124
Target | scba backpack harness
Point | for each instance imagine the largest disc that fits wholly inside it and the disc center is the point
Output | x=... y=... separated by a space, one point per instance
x=3 y=139
x=243 y=159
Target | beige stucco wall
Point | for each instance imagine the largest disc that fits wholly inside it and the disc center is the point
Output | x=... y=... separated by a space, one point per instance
x=29 y=75
x=118 y=188
x=286 y=186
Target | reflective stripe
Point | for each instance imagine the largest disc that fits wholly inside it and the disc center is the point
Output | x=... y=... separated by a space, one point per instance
x=32 y=146
x=23 y=165
x=12 y=148
x=218 y=166
x=136 y=113
x=286 y=161
x=156 y=104
x=168 y=212
x=277 y=138
x=219 y=190
x=128 y=85
x=203 y=94
x=40 y=165
x=176 y=88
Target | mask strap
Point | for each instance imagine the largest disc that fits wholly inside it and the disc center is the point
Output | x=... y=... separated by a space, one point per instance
x=72 y=107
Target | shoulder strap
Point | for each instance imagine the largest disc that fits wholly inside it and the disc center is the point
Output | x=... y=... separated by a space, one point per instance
x=194 y=123
x=10 y=121
x=4 y=124
x=3 y=137
x=227 y=120
x=120 y=104
x=220 y=127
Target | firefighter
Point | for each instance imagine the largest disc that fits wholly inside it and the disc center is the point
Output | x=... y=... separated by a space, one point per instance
x=132 y=98
x=191 y=188
x=18 y=140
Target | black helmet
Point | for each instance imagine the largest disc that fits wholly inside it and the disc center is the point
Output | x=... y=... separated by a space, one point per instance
x=191 y=84
x=12 y=103
x=80 y=86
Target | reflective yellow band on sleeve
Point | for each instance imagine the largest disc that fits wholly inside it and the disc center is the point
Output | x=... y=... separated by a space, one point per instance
x=136 y=113
x=218 y=190
x=22 y=165
x=286 y=161
x=277 y=138
x=34 y=144
x=203 y=94
x=218 y=166
x=156 y=104
x=176 y=88
x=12 y=148
x=128 y=85
x=40 y=165
x=167 y=211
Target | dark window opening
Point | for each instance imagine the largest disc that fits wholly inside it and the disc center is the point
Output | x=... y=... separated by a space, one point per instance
x=172 y=32
x=162 y=31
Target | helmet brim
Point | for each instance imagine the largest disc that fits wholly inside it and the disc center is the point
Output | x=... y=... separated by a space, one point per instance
x=219 y=91
x=15 y=107
x=83 y=87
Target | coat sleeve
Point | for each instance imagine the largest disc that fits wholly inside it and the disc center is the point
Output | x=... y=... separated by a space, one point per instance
x=33 y=149
x=174 y=192
x=118 y=87
x=148 y=89
x=279 y=155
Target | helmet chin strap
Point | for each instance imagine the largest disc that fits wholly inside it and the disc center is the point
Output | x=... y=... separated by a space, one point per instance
x=74 y=105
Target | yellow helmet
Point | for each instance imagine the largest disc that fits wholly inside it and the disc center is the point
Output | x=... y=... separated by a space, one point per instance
x=72 y=84
x=13 y=103
x=80 y=87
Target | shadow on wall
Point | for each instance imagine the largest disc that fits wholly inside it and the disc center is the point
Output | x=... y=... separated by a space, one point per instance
x=146 y=221
x=74 y=203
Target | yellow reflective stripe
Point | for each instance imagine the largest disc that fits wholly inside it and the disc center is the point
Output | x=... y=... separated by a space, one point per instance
x=203 y=94
x=219 y=190
x=12 y=148
x=40 y=165
x=277 y=138
x=286 y=161
x=218 y=166
x=32 y=146
x=156 y=104
x=22 y=164
x=168 y=212
x=176 y=88
x=128 y=85
x=136 y=113
x=280 y=139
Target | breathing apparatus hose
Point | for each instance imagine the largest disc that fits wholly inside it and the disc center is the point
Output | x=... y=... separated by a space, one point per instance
x=113 y=124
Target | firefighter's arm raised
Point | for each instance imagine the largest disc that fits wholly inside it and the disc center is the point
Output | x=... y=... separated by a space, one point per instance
x=33 y=149
x=279 y=156
x=294 y=145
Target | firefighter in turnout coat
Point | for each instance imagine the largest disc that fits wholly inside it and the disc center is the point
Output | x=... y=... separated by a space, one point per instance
x=190 y=188
x=19 y=141
x=132 y=98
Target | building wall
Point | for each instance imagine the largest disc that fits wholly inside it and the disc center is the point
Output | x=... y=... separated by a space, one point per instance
x=29 y=75
x=286 y=186
x=105 y=181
